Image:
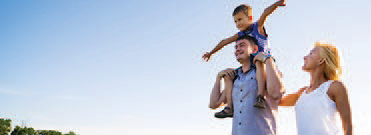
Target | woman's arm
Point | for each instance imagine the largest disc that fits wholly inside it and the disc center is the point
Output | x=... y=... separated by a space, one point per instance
x=291 y=99
x=339 y=94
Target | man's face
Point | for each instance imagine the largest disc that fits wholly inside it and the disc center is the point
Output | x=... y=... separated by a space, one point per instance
x=243 y=50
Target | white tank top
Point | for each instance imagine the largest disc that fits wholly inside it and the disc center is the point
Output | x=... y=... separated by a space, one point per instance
x=316 y=113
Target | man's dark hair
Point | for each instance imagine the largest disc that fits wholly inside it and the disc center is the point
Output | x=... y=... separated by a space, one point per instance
x=251 y=39
x=246 y=9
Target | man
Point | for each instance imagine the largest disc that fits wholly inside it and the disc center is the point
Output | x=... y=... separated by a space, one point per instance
x=248 y=120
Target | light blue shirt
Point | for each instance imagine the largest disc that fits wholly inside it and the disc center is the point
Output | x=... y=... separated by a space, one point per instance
x=247 y=119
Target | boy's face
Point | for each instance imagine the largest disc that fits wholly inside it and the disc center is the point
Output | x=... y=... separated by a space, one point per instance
x=242 y=21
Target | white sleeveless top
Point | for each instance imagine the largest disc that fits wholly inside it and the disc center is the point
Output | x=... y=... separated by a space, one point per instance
x=316 y=113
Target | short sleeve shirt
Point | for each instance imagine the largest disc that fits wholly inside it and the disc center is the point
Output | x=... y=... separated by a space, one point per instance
x=248 y=120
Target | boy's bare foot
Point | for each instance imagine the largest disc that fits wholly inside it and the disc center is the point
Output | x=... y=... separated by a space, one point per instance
x=260 y=102
x=226 y=112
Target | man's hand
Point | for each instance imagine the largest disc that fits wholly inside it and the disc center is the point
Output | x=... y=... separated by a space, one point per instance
x=281 y=3
x=228 y=74
x=206 y=56
x=261 y=56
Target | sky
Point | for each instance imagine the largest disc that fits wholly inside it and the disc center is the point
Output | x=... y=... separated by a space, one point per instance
x=135 y=67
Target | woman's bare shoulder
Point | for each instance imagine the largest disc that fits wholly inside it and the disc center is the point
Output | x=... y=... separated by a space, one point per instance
x=337 y=87
x=301 y=90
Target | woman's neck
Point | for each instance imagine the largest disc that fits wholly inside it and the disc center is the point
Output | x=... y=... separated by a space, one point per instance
x=317 y=78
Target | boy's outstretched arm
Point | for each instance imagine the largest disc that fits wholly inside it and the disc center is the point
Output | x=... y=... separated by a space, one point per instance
x=221 y=44
x=269 y=10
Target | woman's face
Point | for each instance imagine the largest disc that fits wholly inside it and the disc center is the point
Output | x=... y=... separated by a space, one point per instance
x=312 y=60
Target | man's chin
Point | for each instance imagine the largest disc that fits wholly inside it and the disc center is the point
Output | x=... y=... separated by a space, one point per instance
x=239 y=59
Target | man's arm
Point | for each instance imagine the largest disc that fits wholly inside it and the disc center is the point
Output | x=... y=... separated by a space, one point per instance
x=342 y=104
x=217 y=97
x=275 y=87
x=221 y=44
x=269 y=10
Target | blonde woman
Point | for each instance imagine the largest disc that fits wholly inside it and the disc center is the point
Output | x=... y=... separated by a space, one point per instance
x=318 y=104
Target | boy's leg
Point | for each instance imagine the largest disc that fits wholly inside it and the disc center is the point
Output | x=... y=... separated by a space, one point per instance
x=228 y=89
x=227 y=111
x=260 y=77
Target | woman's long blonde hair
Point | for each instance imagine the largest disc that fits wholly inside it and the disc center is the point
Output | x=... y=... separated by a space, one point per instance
x=330 y=54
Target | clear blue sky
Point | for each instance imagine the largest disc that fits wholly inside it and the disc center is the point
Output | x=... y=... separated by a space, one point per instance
x=135 y=67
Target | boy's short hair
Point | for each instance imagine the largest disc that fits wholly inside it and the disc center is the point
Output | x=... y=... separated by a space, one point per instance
x=246 y=9
x=251 y=39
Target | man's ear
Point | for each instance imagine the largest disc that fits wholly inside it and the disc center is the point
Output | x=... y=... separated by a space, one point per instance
x=256 y=49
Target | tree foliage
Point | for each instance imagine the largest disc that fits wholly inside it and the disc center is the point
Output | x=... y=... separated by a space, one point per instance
x=23 y=131
x=5 y=126
x=70 y=133
x=48 y=132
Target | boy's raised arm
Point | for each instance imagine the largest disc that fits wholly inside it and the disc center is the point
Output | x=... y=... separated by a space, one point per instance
x=269 y=10
x=221 y=44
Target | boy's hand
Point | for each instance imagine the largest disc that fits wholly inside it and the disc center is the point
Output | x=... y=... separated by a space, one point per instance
x=206 y=56
x=281 y=3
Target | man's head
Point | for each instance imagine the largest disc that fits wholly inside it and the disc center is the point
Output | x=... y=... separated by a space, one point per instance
x=245 y=46
x=243 y=16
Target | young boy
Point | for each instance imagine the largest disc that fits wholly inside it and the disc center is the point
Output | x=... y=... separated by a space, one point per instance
x=244 y=22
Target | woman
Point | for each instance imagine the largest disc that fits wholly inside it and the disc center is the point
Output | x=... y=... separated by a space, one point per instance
x=316 y=105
